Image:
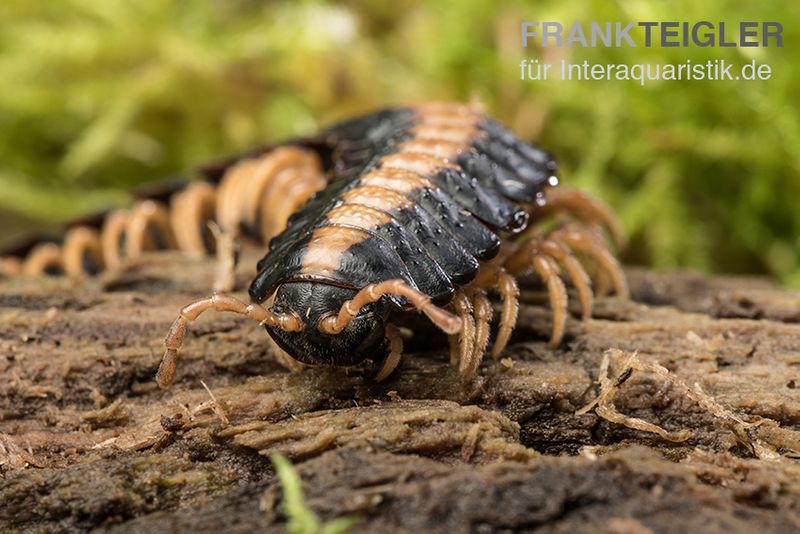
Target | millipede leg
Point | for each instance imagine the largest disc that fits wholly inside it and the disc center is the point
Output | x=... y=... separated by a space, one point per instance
x=112 y=238
x=190 y=212
x=602 y=282
x=548 y=271
x=454 y=340
x=577 y=274
x=221 y=303
x=43 y=258
x=590 y=245
x=585 y=207
x=466 y=338
x=334 y=324
x=78 y=243
x=537 y=254
x=395 y=352
x=509 y=293
x=483 y=319
x=149 y=219
x=10 y=266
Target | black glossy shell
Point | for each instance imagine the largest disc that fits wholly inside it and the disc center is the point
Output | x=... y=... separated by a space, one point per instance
x=418 y=193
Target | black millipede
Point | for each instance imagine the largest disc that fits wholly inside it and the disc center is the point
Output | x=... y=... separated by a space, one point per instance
x=427 y=208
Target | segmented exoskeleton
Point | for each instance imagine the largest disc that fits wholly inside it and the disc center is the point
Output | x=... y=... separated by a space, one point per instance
x=421 y=208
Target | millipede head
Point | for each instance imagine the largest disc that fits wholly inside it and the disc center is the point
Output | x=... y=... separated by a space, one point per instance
x=363 y=337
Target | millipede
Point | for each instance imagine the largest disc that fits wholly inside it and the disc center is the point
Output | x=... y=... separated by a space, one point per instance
x=430 y=208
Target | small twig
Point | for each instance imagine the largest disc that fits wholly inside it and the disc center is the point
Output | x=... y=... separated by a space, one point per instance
x=604 y=405
x=215 y=406
x=763 y=437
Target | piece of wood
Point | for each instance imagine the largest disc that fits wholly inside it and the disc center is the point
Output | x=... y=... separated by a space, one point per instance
x=88 y=440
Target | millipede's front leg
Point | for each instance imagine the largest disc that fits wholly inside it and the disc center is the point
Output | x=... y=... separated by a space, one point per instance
x=221 y=303
x=495 y=276
x=335 y=323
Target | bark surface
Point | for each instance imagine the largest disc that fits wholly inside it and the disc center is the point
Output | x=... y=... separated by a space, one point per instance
x=88 y=440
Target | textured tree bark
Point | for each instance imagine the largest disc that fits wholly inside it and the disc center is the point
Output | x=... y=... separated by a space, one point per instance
x=87 y=440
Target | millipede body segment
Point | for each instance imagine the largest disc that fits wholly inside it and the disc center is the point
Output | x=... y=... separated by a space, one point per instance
x=421 y=208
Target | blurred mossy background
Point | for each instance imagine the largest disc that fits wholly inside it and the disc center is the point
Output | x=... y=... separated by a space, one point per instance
x=100 y=95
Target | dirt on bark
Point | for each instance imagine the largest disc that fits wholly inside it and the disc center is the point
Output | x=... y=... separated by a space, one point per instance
x=697 y=429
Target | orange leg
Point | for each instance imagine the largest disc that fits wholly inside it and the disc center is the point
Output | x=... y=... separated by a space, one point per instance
x=334 y=324
x=221 y=303
x=548 y=271
x=77 y=243
x=509 y=294
x=585 y=242
x=41 y=258
x=583 y=206
x=482 y=319
x=145 y=216
x=461 y=345
x=395 y=352
x=549 y=246
x=494 y=275
x=10 y=266
x=190 y=211
x=112 y=238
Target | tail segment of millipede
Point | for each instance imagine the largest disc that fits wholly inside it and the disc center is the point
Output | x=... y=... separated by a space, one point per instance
x=254 y=197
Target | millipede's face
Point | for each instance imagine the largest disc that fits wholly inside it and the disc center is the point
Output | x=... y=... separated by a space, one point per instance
x=362 y=338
